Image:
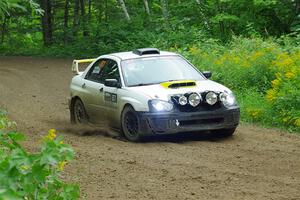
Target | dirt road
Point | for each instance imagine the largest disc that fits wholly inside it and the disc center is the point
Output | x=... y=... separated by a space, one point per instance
x=254 y=164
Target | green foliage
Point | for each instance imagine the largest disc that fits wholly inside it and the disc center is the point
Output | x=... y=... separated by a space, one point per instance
x=9 y=6
x=4 y=122
x=103 y=28
x=254 y=108
x=263 y=74
x=25 y=175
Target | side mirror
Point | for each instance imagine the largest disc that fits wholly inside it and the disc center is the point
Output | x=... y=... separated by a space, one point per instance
x=112 y=83
x=207 y=74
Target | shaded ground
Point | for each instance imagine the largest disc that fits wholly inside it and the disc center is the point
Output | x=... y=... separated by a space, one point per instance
x=254 y=164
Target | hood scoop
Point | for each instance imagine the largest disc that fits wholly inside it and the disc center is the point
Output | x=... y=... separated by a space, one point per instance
x=178 y=84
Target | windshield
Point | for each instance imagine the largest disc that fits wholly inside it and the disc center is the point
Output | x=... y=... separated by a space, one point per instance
x=154 y=70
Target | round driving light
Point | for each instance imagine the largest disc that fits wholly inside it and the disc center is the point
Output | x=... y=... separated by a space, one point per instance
x=227 y=99
x=211 y=98
x=223 y=97
x=194 y=99
x=182 y=100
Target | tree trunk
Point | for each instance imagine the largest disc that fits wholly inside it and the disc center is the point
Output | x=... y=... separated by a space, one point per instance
x=147 y=7
x=66 y=21
x=47 y=22
x=202 y=14
x=83 y=18
x=123 y=6
x=164 y=9
x=106 y=12
x=90 y=10
x=3 y=29
x=75 y=19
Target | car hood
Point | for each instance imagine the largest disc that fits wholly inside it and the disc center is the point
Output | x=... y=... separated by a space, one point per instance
x=158 y=91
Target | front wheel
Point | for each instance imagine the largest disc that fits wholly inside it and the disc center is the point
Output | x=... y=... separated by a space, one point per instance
x=130 y=124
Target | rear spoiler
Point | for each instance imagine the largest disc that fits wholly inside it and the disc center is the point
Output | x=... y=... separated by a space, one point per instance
x=75 y=68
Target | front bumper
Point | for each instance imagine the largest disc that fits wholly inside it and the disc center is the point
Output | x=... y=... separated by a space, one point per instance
x=168 y=123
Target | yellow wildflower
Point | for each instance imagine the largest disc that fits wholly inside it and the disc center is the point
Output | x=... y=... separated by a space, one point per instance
x=254 y=112
x=296 y=56
x=278 y=75
x=297 y=122
x=204 y=55
x=51 y=134
x=221 y=60
x=285 y=119
x=287 y=62
x=193 y=50
x=271 y=95
x=24 y=167
x=269 y=49
x=276 y=83
x=235 y=59
x=61 y=142
x=283 y=60
x=218 y=62
x=290 y=75
x=245 y=64
x=256 y=55
x=61 y=165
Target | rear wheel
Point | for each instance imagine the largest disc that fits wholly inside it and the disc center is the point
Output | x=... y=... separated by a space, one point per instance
x=130 y=124
x=79 y=113
x=224 y=132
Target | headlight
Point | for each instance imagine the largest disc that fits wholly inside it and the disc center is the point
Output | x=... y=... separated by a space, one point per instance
x=194 y=99
x=211 y=98
x=182 y=100
x=160 y=106
x=227 y=99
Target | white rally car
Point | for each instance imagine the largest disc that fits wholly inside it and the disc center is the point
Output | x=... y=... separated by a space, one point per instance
x=148 y=92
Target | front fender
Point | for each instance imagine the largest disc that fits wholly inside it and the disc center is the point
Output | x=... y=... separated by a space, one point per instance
x=138 y=105
x=138 y=101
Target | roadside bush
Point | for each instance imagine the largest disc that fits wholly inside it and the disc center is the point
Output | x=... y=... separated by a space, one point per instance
x=25 y=175
x=284 y=94
x=264 y=75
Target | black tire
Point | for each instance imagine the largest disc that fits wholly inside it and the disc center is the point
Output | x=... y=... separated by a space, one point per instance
x=79 y=113
x=130 y=124
x=224 y=132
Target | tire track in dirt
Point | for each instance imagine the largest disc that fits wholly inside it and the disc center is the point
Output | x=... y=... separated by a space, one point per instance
x=256 y=163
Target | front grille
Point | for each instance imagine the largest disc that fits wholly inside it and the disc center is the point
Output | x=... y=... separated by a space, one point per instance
x=201 y=121
x=200 y=107
x=159 y=124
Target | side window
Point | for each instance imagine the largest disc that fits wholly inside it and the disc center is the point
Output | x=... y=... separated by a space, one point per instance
x=95 y=72
x=110 y=71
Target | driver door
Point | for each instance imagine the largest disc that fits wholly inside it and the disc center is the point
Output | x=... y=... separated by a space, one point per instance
x=94 y=92
x=110 y=71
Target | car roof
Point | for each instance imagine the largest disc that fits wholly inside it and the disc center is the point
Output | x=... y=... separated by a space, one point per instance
x=130 y=55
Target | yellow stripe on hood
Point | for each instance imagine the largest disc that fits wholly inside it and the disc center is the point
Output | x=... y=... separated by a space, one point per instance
x=178 y=84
